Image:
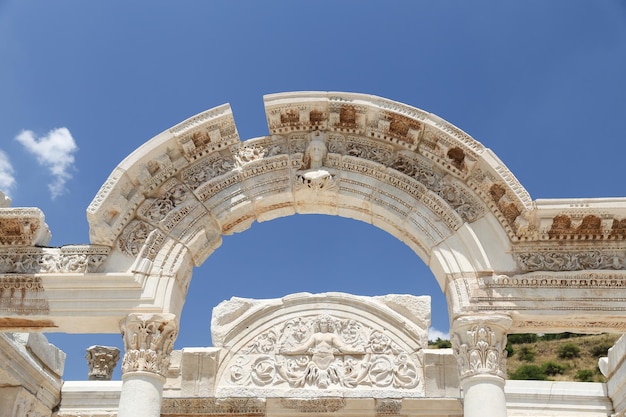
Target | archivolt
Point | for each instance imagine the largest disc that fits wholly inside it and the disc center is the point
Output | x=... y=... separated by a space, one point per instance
x=394 y=166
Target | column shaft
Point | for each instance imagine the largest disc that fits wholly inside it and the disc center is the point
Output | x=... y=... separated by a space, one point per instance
x=141 y=395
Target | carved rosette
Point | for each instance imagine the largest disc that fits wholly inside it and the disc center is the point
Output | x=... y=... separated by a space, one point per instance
x=102 y=361
x=148 y=341
x=479 y=345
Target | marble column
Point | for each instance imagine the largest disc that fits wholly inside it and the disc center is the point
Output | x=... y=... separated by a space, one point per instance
x=479 y=344
x=148 y=342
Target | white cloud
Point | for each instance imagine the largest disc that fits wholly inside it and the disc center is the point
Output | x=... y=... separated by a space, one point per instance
x=433 y=334
x=7 y=180
x=54 y=151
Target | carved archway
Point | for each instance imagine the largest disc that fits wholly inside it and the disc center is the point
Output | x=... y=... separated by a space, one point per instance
x=551 y=265
x=401 y=169
x=408 y=172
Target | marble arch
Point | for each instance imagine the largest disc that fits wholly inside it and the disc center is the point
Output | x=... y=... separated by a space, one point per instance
x=164 y=209
x=506 y=263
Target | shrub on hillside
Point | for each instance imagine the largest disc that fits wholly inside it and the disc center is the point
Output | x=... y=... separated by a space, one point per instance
x=568 y=351
x=529 y=372
x=526 y=354
x=584 y=375
x=600 y=349
x=552 y=368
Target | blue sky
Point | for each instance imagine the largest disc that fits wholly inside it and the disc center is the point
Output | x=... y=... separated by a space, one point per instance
x=83 y=84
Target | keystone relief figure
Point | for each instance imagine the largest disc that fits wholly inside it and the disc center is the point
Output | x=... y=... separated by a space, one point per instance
x=314 y=176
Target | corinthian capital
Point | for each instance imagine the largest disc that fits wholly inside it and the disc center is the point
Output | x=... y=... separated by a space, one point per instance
x=479 y=345
x=102 y=361
x=148 y=341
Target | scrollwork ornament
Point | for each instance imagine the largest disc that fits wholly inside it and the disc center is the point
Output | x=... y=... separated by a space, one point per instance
x=570 y=261
x=325 y=352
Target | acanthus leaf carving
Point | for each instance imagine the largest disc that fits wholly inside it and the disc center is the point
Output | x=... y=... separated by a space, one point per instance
x=148 y=341
x=479 y=346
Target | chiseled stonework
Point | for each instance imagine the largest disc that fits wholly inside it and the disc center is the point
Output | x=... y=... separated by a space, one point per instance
x=66 y=259
x=323 y=351
x=327 y=343
x=22 y=295
x=479 y=345
x=148 y=342
x=249 y=407
x=101 y=361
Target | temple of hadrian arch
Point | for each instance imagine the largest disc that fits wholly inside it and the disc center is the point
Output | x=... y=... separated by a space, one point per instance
x=506 y=264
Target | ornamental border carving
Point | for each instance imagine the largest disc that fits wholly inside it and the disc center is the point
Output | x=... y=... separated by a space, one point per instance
x=66 y=259
x=214 y=406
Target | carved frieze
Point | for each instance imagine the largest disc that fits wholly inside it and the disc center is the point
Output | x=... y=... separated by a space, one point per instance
x=452 y=192
x=570 y=261
x=313 y=405
x=206 y=169
x=173 y=195
x=249 y=407
x=67 y=259
x=101 y=361
x=324 y=352
x=148 y=342
x=361 y=148
x=22 y=295
x=581 y=280
x=479 y=344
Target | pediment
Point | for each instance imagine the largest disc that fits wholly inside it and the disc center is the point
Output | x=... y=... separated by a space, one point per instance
x=334 y=343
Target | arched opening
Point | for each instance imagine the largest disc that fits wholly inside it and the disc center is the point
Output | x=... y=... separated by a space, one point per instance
x=305 y=253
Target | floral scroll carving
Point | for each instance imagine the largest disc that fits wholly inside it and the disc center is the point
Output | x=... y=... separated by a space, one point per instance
x=479 y=346
x=325 y=352
x=67 y=259
x=148 y=341
x=571 y=261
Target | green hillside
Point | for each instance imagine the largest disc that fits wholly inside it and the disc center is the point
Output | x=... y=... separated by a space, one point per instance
x=554 y=357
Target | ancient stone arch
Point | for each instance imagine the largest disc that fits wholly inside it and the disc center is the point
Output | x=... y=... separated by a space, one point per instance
x=506 y=263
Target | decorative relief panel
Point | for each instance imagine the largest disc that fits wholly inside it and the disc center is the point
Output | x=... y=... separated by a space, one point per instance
x=206 y=169
x=580 y=280
x=325 y=352
x=133 y=237
x=67 y=259
x=249 y=407
x=173 y=195
x=453 y=192
x=22 y=295
x=571 y=261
